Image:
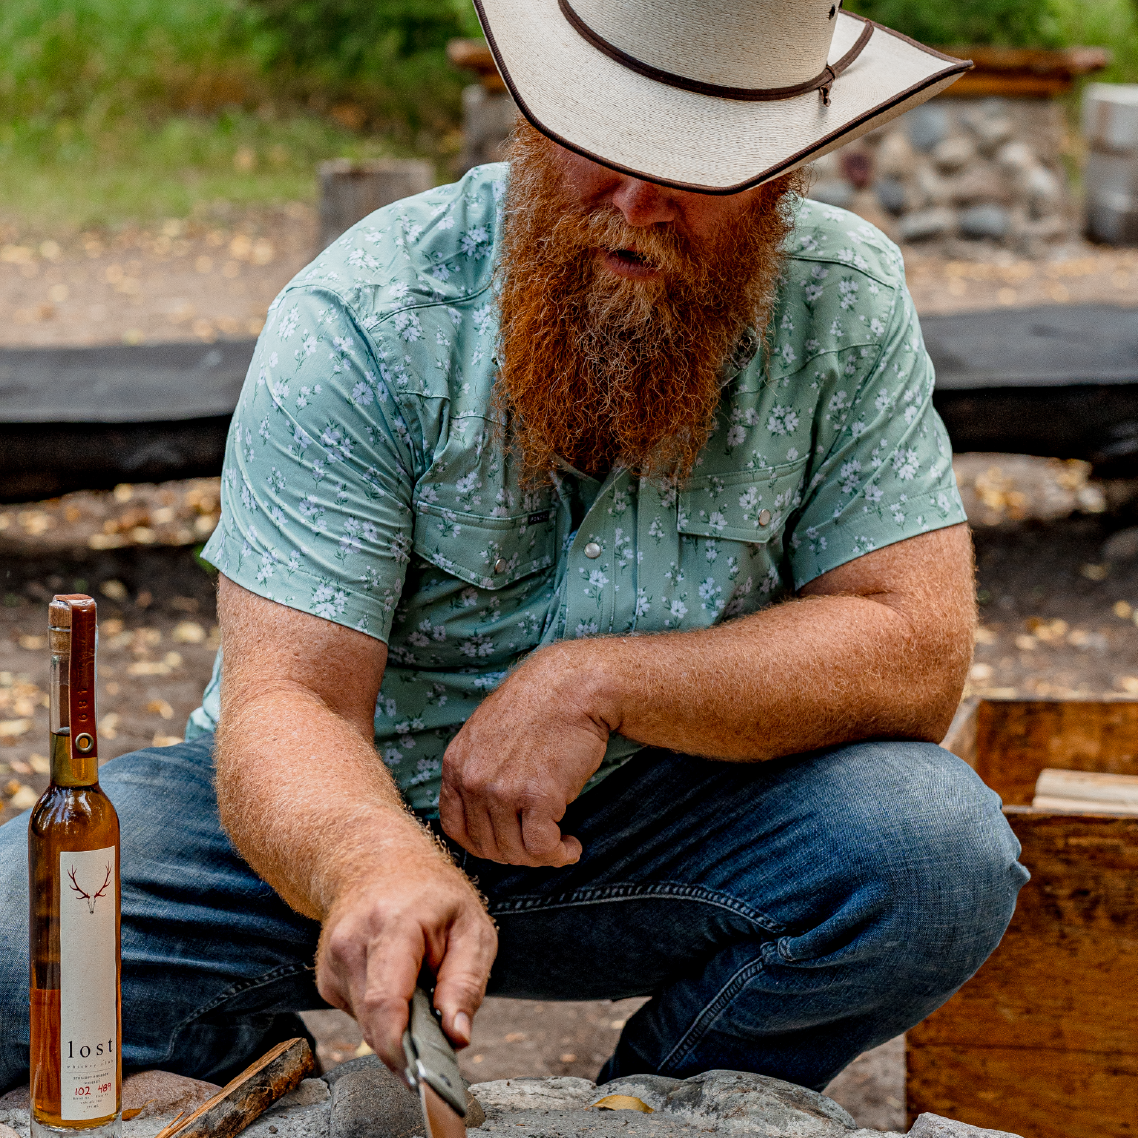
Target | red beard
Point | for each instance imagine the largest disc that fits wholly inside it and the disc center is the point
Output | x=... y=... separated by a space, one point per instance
x=598 y=369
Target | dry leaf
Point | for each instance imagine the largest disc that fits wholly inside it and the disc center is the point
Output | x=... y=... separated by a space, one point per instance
x=623 y=1102
x=23 y=798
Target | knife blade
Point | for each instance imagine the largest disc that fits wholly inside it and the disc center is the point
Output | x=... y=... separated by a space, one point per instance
x=432 y=1070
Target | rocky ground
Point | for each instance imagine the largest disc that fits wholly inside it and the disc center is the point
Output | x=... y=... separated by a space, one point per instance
x=361 y=1098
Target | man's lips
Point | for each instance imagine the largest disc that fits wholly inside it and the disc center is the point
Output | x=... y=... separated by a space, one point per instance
x=628 y=263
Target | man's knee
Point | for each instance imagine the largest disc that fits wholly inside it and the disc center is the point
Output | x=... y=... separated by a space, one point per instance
x=13 y=952
x=931 y=836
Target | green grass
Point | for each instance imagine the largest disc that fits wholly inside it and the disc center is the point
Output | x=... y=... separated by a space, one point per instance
x=129 y=110
x=64 y=176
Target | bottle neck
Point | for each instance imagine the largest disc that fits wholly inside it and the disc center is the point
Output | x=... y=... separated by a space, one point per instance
x=74 y=745
x=68 y=769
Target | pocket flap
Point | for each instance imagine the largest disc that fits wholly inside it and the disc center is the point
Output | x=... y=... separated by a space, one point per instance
x=744 y=505
x=488 y=552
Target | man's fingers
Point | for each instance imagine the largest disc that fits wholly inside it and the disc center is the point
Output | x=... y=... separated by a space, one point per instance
x=452 y=814
x=462 y=975
x=382 y=1000
x=544 y=843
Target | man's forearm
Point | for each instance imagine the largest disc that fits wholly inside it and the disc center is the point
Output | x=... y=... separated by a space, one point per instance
x=878 y=647
x=307 y=801
x=799 y=676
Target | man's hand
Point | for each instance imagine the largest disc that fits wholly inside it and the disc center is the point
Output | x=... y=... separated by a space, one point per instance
x=381 y=930
x=519 y=761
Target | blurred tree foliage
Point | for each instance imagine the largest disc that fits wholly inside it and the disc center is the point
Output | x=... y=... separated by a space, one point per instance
x=1013 y=23
x=389 y=55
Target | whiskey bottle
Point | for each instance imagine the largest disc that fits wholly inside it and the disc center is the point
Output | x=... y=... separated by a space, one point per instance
x=73 y=865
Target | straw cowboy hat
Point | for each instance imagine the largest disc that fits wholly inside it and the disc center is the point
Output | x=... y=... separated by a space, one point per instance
x=714 y=96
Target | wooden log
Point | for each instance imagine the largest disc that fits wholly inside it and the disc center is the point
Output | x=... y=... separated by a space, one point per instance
x=246 y=1097
x=349 y=191
x=1086 y=792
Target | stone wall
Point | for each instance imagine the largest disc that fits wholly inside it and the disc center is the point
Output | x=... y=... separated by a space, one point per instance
x=960 y=172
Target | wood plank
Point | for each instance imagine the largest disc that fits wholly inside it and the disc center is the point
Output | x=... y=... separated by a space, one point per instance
x=1016 y=739
x=1034 y=1093
x=961 y=737
x=1063 y=976
x=246 y=1097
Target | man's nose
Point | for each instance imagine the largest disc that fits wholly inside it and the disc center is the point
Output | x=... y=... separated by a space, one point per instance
x=643 y=203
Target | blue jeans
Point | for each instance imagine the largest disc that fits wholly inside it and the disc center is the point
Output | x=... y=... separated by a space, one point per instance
x=784 y=916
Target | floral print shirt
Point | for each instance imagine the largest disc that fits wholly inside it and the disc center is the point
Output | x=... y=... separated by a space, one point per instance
x=365 y=482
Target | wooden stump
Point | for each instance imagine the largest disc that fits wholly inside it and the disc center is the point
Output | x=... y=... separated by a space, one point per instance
x=349 y=191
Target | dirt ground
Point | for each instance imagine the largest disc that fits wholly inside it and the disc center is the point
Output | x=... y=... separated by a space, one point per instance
x=216 y=275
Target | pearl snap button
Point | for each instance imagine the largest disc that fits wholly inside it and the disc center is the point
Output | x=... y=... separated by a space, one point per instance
x=500 y=565
x=592 y=550
x=764 y=517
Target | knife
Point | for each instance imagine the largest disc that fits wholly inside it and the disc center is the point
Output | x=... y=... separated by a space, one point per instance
x=432 y=1071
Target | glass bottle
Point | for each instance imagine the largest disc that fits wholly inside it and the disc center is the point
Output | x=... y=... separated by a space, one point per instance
x=73 y=865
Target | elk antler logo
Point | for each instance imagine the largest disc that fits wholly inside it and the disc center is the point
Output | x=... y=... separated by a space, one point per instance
x=87 y=896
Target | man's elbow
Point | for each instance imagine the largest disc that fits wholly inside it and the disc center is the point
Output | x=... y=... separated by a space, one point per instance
x=939 y=683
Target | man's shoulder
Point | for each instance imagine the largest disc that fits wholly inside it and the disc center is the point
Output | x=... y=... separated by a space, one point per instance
x=826 y=235
x=841 y=286
x=436 y=248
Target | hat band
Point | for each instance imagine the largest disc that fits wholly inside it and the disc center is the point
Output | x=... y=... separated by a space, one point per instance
x=821 y=82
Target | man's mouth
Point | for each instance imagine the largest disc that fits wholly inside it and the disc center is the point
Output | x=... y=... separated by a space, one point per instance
x=631 y=257
x=629 y=263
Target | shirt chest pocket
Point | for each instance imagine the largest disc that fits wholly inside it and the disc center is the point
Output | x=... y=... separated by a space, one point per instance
x=490 y=553
x=742 y=505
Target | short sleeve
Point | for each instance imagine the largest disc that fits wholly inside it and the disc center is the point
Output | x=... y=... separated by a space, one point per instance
x=884 y=462
x=317 y=483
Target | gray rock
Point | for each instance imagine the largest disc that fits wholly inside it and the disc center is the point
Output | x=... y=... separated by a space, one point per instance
x=933 y=1126
x=895 y=156
x=311 y=1092
x=1016 y=157
x=980 y=184
x=370 y=1102
x=926 y=126
x=925 y=224
x=741 y=1101
x=953 y=154
x=560 y=1092
x=1121 y=546
x=985 y=221
x=833 y=191
x=891 y=194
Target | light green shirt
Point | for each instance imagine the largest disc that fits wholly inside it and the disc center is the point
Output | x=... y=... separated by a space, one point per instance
x=364 y=481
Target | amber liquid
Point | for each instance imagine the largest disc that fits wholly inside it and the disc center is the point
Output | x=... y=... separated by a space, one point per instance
x=72 y=814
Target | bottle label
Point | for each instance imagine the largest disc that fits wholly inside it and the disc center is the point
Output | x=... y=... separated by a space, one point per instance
x=88 y=974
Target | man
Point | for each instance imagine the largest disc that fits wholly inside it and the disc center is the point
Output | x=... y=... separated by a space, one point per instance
x=594 y=508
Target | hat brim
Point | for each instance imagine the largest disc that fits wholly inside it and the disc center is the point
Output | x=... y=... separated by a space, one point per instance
x=591 y=104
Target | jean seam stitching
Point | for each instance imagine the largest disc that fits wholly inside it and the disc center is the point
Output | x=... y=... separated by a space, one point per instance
x=610 y=893
x=701 y=1023
x=233 y=990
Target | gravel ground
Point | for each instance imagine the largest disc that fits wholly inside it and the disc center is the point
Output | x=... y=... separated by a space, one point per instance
x=182 y=280
x=216 y=275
